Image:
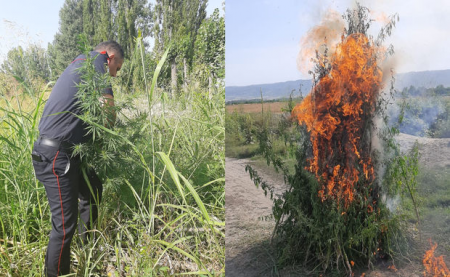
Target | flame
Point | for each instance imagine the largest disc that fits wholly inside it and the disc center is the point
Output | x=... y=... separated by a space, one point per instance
x=392 y=267
x=336 y=114
x=434 y=267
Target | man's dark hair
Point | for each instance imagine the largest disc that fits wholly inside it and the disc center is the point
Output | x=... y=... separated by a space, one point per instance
x=112 y=46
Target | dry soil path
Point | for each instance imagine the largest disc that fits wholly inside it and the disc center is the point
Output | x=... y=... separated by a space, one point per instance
x=248 y=223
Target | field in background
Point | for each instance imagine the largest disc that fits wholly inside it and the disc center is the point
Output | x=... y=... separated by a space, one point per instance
x=273 y=107
x=242 y=122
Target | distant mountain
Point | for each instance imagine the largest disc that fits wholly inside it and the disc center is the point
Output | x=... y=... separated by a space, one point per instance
x=269 y=91
x=427 y=79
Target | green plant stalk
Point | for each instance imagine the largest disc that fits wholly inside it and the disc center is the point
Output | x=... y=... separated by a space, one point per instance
x=156 y=193
x=150 y=101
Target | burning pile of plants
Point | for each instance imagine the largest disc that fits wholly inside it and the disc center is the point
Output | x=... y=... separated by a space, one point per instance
x=334 y=216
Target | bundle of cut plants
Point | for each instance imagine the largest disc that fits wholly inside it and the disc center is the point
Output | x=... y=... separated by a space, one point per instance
x=334 y=216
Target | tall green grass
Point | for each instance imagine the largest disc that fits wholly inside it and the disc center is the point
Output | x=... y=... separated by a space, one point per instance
x=163 y=169
x=23 y=209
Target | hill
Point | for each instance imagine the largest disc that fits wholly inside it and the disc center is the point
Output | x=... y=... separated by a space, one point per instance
x=269 y=91
x=427 y=79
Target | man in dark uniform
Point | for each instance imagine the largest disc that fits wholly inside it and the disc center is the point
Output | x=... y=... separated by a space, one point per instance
x=59 y=130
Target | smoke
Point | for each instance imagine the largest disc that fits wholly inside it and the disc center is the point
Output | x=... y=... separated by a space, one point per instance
x=380 y=17
x=377 y=147
x=391 y=202
x=328 y=32
x=420 y=112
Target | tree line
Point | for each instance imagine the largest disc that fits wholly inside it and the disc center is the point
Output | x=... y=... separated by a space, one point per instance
x=196 y=42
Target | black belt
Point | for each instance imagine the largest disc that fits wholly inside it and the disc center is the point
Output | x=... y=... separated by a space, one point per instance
x=63 y=145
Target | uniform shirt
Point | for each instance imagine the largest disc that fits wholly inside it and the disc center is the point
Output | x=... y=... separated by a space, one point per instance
x=65 y=126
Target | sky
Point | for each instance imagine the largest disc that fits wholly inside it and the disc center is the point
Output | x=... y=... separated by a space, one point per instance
x=24 y=22
x=263 y=36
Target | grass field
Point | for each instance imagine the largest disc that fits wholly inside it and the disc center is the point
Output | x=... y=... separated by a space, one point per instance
x=163 y=173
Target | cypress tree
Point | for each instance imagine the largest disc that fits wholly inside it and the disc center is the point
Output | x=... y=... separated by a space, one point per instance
x=99 y=20
x=70 y=26
x=89 y=20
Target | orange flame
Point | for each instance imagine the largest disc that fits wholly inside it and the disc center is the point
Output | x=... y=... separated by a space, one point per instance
x=336 y=114
x=392 y=267
x=434 y=267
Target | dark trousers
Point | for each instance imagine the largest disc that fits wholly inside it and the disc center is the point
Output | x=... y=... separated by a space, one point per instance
x=68 y=193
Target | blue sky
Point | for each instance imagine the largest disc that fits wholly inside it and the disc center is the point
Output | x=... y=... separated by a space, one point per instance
x=263 y=37
x=29 y=21
x=24 y=21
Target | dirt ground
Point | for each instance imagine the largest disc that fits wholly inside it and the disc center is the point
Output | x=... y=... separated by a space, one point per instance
x=433 y=152
x=249 y=225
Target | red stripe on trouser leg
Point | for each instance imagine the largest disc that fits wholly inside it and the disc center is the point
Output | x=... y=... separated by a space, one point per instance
x=78 y=60
x=62 y=211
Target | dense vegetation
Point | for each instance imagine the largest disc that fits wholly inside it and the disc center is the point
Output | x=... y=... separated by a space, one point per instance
x=162 y=165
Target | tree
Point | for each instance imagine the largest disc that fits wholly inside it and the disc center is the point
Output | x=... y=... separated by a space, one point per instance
x=132 y=16
x=89 y=22
x=104 y=30
x=177 y=22
x=333 y=217
x=100 y=20
x=70 y=26
x=14 y=63
x=28 y=64
x=210 y=49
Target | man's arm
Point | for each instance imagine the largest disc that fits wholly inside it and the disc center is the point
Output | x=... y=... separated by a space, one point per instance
x=108 y=103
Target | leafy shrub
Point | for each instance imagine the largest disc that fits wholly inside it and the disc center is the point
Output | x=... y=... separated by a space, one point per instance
x=326 y=235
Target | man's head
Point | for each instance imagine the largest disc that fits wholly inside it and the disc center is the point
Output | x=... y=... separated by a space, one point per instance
x=115 y=53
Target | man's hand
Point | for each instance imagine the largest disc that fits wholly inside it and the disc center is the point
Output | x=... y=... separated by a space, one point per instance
x=108 y=103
